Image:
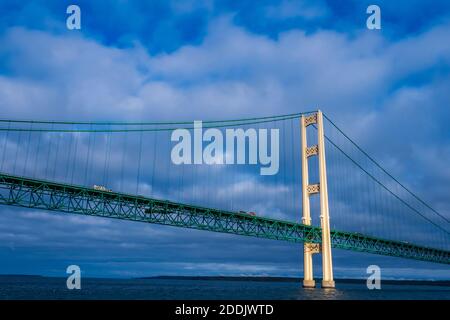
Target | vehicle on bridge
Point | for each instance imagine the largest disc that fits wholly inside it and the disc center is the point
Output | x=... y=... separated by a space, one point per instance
x=250 y=213
x=101 y=188
x=155 y=209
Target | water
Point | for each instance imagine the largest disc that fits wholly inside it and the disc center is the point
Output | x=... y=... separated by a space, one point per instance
x=22 y=287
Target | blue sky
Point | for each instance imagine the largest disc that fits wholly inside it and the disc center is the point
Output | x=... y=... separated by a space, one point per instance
x=166 y=60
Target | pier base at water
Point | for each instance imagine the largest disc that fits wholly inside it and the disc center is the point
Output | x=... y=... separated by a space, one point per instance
x=309 y=284
x=328 y=284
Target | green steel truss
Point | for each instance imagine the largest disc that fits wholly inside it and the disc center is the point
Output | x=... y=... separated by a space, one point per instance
x=39 y=194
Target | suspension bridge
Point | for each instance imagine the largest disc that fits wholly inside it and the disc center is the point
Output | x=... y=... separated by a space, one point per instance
x=328 y=192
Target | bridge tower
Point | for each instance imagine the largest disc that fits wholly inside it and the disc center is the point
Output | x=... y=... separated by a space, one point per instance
x=309 y=189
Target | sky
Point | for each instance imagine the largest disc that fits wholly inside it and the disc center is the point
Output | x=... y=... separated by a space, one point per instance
x=190 y=60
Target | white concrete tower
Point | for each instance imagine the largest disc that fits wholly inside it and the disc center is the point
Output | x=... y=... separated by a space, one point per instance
x=309 y=189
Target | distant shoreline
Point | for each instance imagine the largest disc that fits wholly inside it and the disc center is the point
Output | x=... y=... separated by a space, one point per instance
x=246 y=278
x=294 y=279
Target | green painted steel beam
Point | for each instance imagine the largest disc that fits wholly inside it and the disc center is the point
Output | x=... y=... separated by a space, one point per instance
x=46 y=195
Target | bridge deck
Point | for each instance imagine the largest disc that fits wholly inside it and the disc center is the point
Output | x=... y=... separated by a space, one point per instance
x=46 y=195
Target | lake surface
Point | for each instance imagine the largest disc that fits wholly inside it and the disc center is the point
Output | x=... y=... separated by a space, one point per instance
x=25 y=287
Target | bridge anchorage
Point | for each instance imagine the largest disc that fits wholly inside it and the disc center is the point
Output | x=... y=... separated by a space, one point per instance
x=308 y=190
